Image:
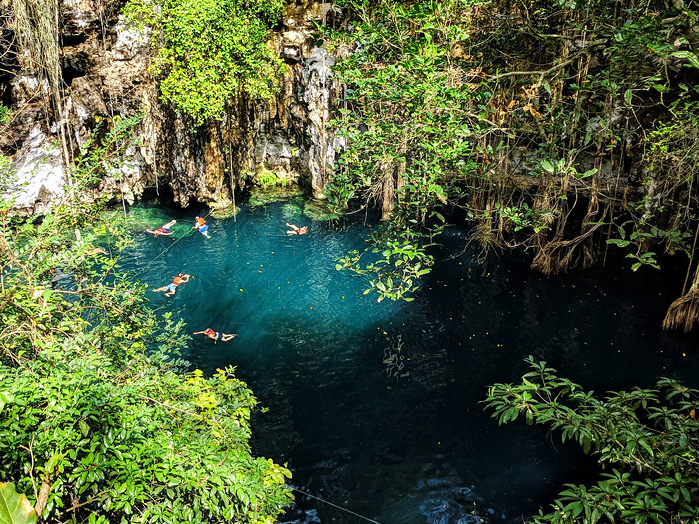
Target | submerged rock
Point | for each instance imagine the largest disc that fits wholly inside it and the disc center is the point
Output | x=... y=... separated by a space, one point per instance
x=262 y=197
x=318 y=210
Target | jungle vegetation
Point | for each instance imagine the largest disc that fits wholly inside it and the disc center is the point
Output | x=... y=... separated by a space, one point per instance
x=209 y=52
x=645 y=440
x=561 y=127
x=100 y=420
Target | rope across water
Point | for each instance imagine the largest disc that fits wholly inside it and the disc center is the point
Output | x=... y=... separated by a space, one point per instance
x=335 y=505
x=167 y=249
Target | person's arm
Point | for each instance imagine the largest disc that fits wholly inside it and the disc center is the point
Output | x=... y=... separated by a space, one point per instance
x=185 y=278
x=197 y=333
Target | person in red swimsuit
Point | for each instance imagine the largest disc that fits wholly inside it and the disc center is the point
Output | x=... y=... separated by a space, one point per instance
x=295 y=230
x=163 y=230
x=216 y=335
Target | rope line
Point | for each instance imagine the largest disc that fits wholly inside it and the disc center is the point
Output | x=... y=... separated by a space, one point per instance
x=335 y=505
x=190 y=232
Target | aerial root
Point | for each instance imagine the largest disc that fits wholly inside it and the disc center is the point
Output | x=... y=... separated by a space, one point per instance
x=683 y=312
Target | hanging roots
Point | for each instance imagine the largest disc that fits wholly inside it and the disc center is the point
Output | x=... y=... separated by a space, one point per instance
x=35 y=23
x=558 y=256
x=683 y=312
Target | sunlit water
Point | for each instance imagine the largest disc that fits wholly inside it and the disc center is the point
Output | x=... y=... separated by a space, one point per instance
x=375 y=406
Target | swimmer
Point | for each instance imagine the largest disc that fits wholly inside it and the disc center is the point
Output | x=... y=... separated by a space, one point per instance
x=216 y=335
x=163 y=230
x=295 y=230
x=200 y=225
x=171 y=288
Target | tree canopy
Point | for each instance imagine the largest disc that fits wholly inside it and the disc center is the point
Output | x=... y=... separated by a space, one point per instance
x=209 y=52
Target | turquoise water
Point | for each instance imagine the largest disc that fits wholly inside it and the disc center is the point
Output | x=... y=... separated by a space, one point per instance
x=375 y=406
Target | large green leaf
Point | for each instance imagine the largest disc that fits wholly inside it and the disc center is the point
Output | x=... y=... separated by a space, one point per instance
x=15 y=508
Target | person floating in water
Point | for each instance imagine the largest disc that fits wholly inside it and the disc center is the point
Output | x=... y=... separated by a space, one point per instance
x=200 y=224
x=171 y=288
x=163 y=230
x=216 y=335
x=295 y=230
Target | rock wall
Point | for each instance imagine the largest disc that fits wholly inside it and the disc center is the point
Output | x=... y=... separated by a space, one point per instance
x=105 y=68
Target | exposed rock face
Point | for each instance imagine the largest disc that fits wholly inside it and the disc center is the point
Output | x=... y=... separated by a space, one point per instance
x=105 y=66
x=37 y=178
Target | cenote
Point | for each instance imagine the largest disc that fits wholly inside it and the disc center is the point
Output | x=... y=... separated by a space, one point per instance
x=376 y=407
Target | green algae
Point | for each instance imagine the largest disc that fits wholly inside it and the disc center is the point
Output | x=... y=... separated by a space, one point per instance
x=229 y=211
x=319 y=210
x=264 y=196
x=141 y=218
x=293 y=208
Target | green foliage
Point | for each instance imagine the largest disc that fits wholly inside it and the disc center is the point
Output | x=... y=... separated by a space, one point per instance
x=268 y=179
x=647 y=441
x=14 y=508
x=102 y=153
x=5 y=114
x=519 y=115
x=99 y=421
x=412 y=127
x=665 y=215
x=210 y=51
x=403 y=259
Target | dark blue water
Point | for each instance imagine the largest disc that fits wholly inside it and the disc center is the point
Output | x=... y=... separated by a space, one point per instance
x=375 y=406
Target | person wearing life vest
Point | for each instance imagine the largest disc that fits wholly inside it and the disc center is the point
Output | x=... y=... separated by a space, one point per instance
x=172 y=287
x=216 y=335
x=200 y=225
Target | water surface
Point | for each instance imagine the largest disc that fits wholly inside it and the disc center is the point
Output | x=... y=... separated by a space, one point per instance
x=375 y=406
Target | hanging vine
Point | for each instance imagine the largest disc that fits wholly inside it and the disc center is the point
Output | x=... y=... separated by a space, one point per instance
x=36 y=24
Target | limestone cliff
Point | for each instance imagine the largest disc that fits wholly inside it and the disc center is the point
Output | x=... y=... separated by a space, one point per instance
x=105 y=72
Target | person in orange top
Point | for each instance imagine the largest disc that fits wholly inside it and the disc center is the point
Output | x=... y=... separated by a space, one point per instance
x=216 y=335
x=171 y=288
x=200 y=224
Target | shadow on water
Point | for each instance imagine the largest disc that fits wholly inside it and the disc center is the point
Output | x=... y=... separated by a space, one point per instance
x=375 y=407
